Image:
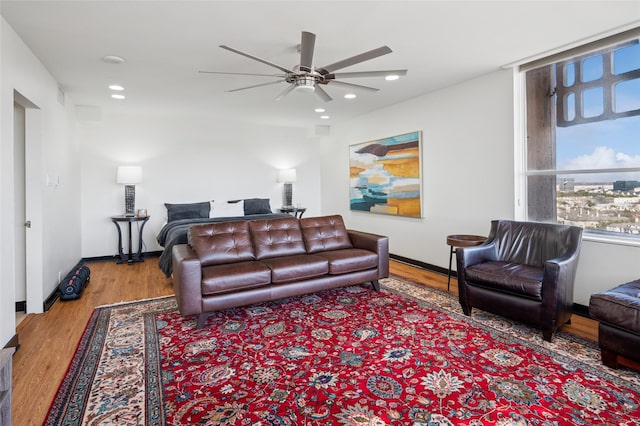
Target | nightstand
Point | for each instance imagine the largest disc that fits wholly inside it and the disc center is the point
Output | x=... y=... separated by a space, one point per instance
x=294 y=211
x=131 y=257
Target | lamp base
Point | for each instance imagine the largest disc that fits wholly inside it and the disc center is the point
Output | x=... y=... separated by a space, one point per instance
x=288 y=194
x=129 y=200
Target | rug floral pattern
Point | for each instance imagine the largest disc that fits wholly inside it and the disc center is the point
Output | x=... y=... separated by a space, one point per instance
x=350 y=356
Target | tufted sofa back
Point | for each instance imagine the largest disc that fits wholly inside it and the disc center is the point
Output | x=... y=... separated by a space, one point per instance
x=533 y=243
x=276 y=237
x=239 y=241
x=221 y=242
x=325 y=233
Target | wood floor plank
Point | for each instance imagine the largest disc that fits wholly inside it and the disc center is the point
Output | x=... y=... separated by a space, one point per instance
x=48 y=341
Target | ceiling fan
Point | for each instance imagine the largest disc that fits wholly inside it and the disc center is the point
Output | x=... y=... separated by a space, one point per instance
x=306 y=77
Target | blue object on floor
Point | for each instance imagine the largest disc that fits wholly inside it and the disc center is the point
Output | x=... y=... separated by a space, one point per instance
x=73 y=284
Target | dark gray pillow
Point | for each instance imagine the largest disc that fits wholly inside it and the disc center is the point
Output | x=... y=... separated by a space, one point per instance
x=187 y=211
x=256 y=206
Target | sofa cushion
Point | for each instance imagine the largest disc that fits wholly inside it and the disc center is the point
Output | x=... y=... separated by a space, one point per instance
x=524 y=280
x=296 y=267
x=349 y=260
x=221 y=242
x=324 y=233
x=276 y=237
x=619 y=306
x=233 y=277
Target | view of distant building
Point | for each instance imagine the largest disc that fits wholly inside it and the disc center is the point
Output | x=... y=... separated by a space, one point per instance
x=625 y=185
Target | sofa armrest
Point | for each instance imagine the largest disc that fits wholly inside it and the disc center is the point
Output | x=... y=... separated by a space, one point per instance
x=187 y=278
x=378 y=244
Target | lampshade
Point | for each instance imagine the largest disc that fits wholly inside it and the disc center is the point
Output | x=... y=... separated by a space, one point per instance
x=129 y=175
x=287 y=175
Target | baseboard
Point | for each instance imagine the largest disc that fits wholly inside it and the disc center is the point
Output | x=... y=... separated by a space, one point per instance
x=48 y=303
x=112 y=258
x=578 y=309
x=423 y=265
x=21 y=306
x=13 y=343
x=581 y=310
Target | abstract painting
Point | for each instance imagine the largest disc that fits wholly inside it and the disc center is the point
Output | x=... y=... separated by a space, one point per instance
x=384 y=175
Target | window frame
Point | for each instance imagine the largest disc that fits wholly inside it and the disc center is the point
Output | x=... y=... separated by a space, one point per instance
x=521 y=158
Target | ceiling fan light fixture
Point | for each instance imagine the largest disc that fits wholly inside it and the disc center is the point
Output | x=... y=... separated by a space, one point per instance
x=350 y=96
x=392 y=77
x=305 y=83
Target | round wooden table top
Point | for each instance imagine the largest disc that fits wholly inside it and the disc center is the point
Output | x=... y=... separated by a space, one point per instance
x=462 y=240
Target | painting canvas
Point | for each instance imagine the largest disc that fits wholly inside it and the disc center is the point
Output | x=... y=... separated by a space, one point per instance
x=384 y=175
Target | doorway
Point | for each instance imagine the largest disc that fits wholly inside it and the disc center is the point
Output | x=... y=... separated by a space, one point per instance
x=20 y=243
x=27 y=265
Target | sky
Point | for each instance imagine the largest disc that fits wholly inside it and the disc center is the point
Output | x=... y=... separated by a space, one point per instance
x=611 y=143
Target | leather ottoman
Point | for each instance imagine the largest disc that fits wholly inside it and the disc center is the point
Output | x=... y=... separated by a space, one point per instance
x=618 y=313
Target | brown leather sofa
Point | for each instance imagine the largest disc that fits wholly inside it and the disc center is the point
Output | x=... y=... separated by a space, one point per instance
x=239 y=263
x=524 y=271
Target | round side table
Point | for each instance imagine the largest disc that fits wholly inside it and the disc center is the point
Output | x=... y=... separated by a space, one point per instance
x=461 y=240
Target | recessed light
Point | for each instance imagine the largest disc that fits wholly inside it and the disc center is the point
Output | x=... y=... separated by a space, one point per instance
x=117 y=96
x=116 y=87
x=392 y=77
x=350 y=96
x=325 y=117
x=319 y=110
x=112 y=59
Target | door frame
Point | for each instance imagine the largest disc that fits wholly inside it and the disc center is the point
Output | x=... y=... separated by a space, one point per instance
x=34 y=262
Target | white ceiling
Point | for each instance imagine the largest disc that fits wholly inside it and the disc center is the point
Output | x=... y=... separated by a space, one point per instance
x=165 y=43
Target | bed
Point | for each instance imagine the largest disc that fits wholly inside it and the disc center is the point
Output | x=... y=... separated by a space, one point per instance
x=180 y=217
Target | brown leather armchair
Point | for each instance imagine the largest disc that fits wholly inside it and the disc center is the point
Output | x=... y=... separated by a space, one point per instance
x=524 y=271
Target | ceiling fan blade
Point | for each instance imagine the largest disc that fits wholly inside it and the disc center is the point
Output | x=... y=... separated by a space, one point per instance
x=355 y=60
x=255 y=58
x=324 y=95
x=257 y=85
x=285 y=92
x=242 y=73
x=351 y=85
x=307 y=45
x=366 y=74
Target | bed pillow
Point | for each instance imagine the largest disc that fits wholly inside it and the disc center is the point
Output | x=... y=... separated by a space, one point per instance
x=256 y=206
x=227 y=209
x=187 y=211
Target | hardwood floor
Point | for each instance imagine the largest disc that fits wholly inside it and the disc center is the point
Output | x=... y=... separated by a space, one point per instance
x=48 y=341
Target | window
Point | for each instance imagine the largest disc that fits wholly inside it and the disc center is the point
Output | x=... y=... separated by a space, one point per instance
x=583 y=140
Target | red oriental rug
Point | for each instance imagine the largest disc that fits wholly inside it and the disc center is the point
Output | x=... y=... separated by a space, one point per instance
x=350 y=356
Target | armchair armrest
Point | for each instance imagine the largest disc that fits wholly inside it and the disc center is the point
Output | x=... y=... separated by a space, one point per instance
x=558 y=280
x=376 y=243
x=187 y=278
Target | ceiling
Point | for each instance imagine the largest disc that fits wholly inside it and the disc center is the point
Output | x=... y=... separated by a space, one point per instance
x=165 y=43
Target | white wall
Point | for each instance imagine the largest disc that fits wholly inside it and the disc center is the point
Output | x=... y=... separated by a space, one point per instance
x=467 y=174
x=468 y=177
x=184 y=160
x=54 y=210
